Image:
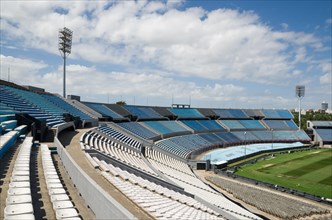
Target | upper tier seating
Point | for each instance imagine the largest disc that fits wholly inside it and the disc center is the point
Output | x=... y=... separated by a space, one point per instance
x=33 y=104
x=182 y=146
x=209 y=113
x=291 y=124
x=194 y=125
x=118 y=109
x=138 y=129
x=187 y=113
x=280 y=124
x=68 y=107
x=203 y=125
x=325 y=134
x=212 y=138
x=104 y=110
x=277 y=114
x=243 y=124
x=166 y=127
x=228 y=137
x=322 y=131
x=212 y=125
x=38 y=100
x=142 y=112
x=233 y=124
x=254 y=113
x=230 y=113
x=246 y=136
x=163 y=111
x=252 y=124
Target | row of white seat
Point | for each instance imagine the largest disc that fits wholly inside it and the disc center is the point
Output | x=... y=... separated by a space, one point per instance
x=160 y=202
x=168 y=161
x=117 y=151
x=120 y=137
x=180 y=174
x=195 y=186
x=19 y=201
x=62 y=205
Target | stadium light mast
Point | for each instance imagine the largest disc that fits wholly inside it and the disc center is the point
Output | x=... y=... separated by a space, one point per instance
x=65 y=42
x=300 y=90
x=272 y=139
x=245 y=144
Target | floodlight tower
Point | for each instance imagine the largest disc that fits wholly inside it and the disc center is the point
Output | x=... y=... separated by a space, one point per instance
x=65 y=42
x=299 y=90
x=245 y=144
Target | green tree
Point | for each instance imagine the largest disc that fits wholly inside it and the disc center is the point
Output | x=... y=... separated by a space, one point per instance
x=121 y=103
x=311 y=116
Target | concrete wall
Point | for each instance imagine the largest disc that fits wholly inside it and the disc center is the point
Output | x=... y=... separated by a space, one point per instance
x=101 y=203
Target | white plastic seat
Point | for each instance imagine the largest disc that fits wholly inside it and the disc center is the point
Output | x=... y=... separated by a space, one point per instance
x=20 y=165
x=62 y=205
x=20 y=217
x=21 y=168
x=48 y=181
x=73 y=218
x=20 y=173
x=59 y=197
x=56 y=191
x=66 y=213
x=48 y=165
x=47 y=177
x=24 y=155
x=19 y=178
x=18 y=209
x=25 y=163
x=50 y=173
x=22 y=160
x=18 y=199
x=19 y=191
x=54 y=186
x=48 y=170
x=22 y=184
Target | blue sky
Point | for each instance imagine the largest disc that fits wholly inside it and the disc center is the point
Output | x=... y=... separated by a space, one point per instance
x=229 y=54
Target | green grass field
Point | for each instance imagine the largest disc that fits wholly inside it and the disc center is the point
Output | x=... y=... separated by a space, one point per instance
x=308 y=171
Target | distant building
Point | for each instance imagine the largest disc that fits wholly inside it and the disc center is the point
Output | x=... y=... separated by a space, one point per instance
x=324 y=106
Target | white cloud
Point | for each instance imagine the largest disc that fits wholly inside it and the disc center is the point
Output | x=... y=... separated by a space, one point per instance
x=84 y=81
x=326 y=79
x=219 y=44
x=284 y=26
x=329 y=21
x=20 y=69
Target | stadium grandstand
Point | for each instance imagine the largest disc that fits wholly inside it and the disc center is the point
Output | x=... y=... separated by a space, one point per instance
x=322 y=131
x=71 y=159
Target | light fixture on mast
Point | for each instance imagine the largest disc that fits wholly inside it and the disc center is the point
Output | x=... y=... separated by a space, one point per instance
x=65 y=42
